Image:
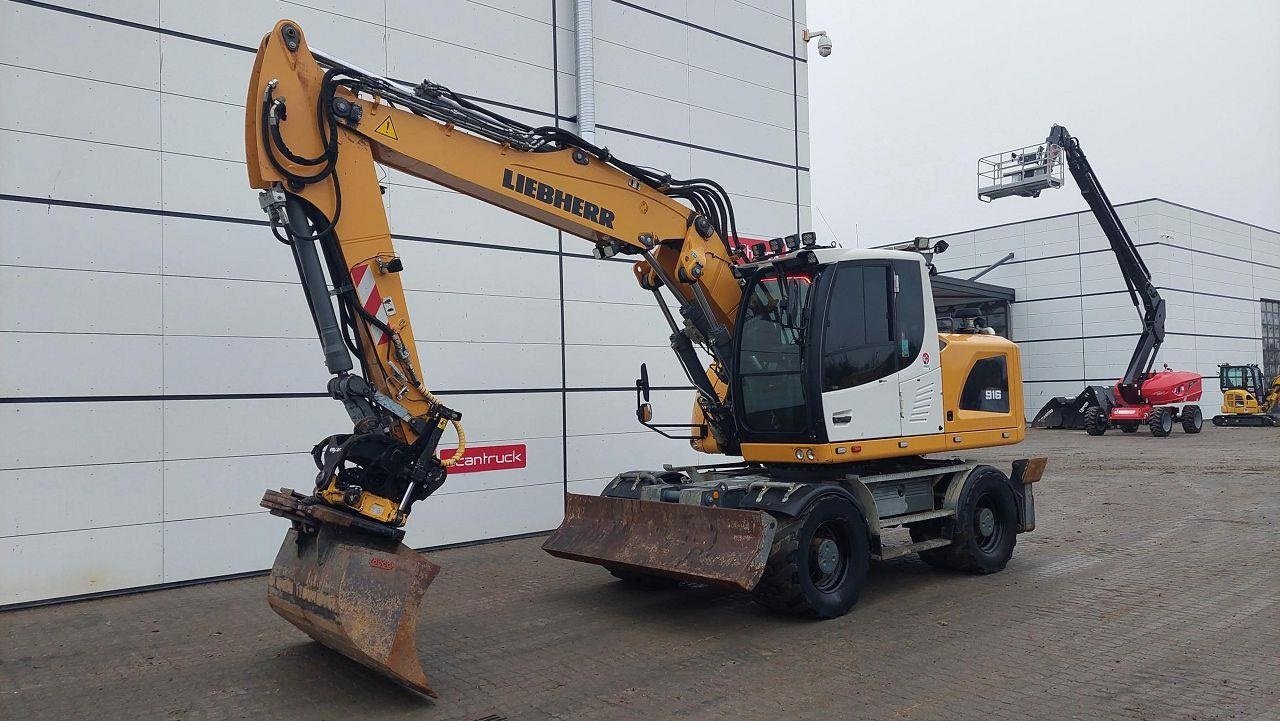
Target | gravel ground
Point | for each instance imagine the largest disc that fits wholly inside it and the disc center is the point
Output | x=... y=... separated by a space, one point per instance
x=1150 y=590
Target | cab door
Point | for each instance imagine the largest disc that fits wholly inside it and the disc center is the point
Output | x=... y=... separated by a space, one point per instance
x=920 y=374
x=858 y=367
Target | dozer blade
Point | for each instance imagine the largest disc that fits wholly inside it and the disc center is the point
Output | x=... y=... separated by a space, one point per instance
x=721 y=546
x=357 y=595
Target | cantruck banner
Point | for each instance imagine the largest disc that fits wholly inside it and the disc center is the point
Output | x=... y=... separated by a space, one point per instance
x=487 y=458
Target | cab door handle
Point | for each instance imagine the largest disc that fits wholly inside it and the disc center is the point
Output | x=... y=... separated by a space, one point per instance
x=841 y=418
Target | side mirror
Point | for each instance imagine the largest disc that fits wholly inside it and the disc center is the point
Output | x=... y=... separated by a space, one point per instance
x=642 y=383
x=644 y=411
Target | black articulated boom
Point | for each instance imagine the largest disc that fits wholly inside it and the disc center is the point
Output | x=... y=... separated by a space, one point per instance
x=1137 y=277
x=1141 y=395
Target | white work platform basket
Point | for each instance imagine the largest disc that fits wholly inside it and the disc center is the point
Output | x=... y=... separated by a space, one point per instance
x=1023 y=172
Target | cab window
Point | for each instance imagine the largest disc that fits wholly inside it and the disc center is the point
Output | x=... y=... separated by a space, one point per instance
x=859 y=341
x=910 y=307
x=987 y=387
x=771 y=354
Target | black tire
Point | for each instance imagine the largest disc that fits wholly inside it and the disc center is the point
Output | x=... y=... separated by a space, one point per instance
x=1129 y=427
x=642 y=580
x=985 y=528
x=1160 y=421
x=1095 y=423
x=1192 y=419
x=818 y=563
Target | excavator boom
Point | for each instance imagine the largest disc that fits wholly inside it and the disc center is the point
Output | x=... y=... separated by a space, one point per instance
x=316 y=130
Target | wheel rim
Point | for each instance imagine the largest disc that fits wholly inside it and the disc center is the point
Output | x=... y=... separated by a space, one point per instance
x=829 y=555
x=988 y=532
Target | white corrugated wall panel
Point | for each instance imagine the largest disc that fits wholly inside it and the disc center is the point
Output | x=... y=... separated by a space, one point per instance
x=206 y=382
x=1210 y=270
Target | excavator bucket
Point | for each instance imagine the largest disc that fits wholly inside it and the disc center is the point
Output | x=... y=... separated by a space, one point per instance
x=1050 y=416
x=719 y=546
x=357 y=595
x=1063 y=412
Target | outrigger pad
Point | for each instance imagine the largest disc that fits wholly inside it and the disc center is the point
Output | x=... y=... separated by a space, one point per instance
x=720 y=546
x=356 y=595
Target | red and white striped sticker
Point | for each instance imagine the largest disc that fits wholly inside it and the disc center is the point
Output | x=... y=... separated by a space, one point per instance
x=371 y=299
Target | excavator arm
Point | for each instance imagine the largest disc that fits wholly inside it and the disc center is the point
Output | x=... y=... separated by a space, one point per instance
x=316 y=131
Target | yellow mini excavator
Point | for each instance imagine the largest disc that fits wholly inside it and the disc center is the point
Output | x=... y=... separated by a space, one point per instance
x=1247 y=399
x=827 y=379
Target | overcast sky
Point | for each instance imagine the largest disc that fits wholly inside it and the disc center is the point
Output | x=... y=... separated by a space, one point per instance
x=1172 y=99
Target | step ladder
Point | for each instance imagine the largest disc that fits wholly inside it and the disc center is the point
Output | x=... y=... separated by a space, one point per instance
x=898 y=551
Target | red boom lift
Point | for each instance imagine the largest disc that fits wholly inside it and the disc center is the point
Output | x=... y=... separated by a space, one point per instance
x=1158 y=399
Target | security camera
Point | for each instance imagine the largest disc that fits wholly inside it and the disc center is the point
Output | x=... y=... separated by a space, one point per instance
x=824 y=41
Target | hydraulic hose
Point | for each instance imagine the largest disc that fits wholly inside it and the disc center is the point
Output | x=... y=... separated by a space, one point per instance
x=457 y=428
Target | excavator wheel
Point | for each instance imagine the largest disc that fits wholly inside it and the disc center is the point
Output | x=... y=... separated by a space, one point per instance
x=985 y=528
x=1160 y=421
x=1192 y=419
x=818 y=562
x=1095 y=423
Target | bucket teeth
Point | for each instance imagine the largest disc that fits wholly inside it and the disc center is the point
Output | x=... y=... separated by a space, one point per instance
x=720 y=546
x=357 y=595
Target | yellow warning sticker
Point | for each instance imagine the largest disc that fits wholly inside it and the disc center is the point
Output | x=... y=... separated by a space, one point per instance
x=387 y=128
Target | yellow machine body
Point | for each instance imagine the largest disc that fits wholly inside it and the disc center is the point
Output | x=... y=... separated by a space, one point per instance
x=1240 y=402
x=962 y=430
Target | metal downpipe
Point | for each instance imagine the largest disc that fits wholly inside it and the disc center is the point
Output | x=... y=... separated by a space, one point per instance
x=586 y=72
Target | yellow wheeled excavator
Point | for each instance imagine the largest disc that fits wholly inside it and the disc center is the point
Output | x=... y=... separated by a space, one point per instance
x=827 y=379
